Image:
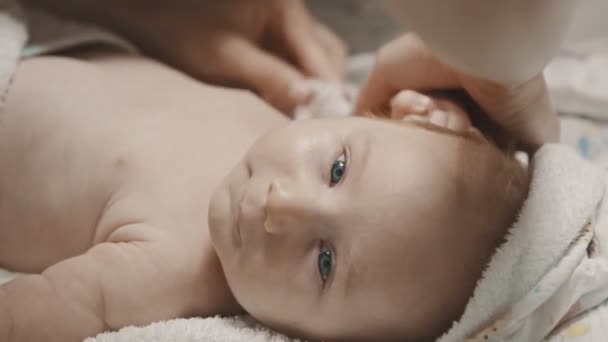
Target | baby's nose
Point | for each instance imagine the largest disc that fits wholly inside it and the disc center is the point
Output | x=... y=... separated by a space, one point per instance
x=288 y=205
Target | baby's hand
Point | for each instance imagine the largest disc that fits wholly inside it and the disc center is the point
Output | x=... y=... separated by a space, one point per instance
x=414 y=106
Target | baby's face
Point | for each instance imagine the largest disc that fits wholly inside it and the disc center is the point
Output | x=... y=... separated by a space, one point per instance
x=354 y=228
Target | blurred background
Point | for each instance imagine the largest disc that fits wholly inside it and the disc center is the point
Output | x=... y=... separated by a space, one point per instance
x=363 y=24
x=577 y=77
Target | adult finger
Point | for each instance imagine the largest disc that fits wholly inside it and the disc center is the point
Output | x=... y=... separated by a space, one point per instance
x=335 y=48
x=524 y=111
x=240 y=61
x=405 y=63
x=297 y=30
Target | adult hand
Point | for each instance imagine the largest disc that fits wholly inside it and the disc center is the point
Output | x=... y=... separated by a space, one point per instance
x=523 y=110
x=263 y=45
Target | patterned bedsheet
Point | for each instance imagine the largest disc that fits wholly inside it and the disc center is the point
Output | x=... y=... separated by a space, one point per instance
x=588 y=136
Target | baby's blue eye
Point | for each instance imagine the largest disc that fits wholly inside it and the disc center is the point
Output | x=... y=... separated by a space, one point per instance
x=337 y=170
x=325 y=262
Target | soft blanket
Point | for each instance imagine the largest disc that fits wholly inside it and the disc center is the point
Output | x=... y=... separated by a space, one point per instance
x=554 y=263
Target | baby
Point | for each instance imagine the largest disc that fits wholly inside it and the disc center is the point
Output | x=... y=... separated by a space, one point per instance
x=112 y=199
x=362 y=229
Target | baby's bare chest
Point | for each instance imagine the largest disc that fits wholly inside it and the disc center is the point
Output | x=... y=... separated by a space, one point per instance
x=70 y=157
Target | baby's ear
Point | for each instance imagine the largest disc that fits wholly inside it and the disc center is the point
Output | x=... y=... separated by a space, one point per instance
x=444 y=119
x=409 y=105
x=409 y=102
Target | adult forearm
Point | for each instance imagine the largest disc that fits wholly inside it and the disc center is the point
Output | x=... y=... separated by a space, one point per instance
x=506 y=41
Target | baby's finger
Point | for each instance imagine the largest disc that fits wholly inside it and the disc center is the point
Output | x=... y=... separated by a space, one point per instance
x=271 y=77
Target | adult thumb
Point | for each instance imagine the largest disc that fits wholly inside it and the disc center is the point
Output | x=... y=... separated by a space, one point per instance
x=404 y=63
x=524 y=111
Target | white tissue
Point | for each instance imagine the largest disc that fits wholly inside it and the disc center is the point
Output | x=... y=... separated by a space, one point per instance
x=327 y=100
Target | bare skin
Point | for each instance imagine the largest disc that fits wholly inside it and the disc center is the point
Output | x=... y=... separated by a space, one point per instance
x=71 y=178
x=268 y=46
x=123 y=188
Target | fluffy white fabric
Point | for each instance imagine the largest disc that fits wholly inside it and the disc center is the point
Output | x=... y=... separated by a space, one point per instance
x=327 y=100
x=13 y=35
x=564 y=197
x=213 y=329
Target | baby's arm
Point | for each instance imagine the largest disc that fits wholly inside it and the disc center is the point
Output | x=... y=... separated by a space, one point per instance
x=112 y=285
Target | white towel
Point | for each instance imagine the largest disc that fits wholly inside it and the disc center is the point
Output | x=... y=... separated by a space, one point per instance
x=213 y=329
x=327 y=100
x=542 y=270
x=13 y=35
